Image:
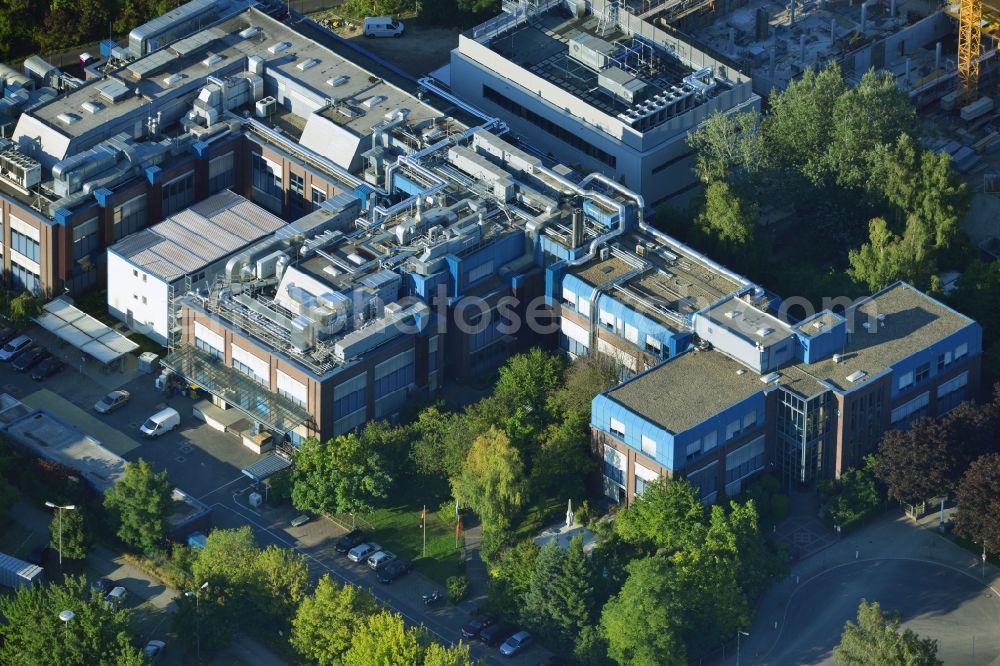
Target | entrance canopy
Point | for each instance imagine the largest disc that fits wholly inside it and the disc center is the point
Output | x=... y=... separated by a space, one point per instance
x=266 y=466
x=72 y=325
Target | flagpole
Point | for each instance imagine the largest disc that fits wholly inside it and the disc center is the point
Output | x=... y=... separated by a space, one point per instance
x=424 y=521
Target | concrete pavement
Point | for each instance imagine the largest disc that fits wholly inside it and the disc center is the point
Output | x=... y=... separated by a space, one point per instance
x=937 y=587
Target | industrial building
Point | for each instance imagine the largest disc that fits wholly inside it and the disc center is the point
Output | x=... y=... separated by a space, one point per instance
x=804 y=401
x=601 y=88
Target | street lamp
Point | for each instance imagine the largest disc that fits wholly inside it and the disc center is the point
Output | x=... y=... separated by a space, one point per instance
x=59 y=510
x=197 y=614
x=739 y=633
x=66 y=616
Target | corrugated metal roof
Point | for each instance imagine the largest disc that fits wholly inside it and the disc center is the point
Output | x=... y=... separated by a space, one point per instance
x=198 y=236
x=266 y=466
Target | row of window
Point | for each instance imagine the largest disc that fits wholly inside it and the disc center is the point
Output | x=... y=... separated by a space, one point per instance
x=250 y=372
x=24 y=278
x=130 y=217
x=24 y=245
x=205 y=347
x=221 y=173
x=85 y=238
x=393 y=381
x=349 y=403
x=549 y=126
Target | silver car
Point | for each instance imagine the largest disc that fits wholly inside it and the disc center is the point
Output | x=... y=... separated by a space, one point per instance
x=111 y=402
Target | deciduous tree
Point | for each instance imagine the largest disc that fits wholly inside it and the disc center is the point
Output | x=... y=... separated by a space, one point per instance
x=383 y=640
x=888 y=257
x=326 y=620
x=727 y=221
x=140 y=504
x=978 y=499
x=75 y=537
x=492 y=481
x=667 y=515
x=731 y=148
x=876 y=639
x=916 y=464
x=339 y=476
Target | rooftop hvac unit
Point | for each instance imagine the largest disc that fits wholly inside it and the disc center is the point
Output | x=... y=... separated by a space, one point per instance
x=266 y=107
x=250 y=32
x=19 y=168
x=590 y=50
x=621 y=84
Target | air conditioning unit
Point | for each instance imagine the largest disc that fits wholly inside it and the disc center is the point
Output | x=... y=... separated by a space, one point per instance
x=266 y=106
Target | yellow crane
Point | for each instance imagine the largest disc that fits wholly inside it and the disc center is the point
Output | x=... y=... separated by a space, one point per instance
x=970 y=20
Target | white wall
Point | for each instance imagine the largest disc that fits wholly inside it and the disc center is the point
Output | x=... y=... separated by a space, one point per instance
x=126 y=292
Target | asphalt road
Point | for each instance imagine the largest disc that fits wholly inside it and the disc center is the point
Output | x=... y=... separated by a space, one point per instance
x=935 y=600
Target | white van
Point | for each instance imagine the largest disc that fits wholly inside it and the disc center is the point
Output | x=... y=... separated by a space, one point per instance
x=383 y=26
x=161 y=422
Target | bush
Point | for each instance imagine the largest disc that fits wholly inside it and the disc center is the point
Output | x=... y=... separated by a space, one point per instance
x=458 y=588
x=493 y=543
x=583 y=514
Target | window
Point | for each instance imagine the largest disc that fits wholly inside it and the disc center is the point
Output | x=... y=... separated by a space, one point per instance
x=349 y=397
x=584 y=307
x=266 y=178
x=143 y=300
x=572 y=346
x=671 y=162
x=554 y=128
x=653 y=345
x=745 y=460
x=24 y=245
x=296 y=184
x=905 y=380
x=903 y=415
x=221 y=174
x=732 y=429
x=291 y=388
x=944 y=360
x=85 y=238
x=709 y=441
x=129 y=217
x=617 y=428
x=693 y=449
x=649 y=446
x=951 y=393
x=750 y=420
x=643 y=475
x=178 y=194
x=318 y=195
x=923 y=372
x=961 y=351
x=206 y=347
x=632 y=334
x=24 y=277
x=607 y=319
x=255 y=368
x=393 y=381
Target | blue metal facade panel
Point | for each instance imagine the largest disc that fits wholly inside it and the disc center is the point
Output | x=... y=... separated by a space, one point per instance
x=603 y=409
x=718 y=423
x=644 y=324
x=971 y=335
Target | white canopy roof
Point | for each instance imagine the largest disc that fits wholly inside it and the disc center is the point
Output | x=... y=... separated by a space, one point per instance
x=87 y=334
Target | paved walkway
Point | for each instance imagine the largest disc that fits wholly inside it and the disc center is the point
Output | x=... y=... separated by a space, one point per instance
x=910 y=563
x=475 y=570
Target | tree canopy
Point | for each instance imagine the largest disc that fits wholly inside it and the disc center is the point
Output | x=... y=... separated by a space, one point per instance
x=140 y=504
x=875 y=640
x=916 y=464
x=76 y=538
x=340 y=475
x=325 y=621
x=98 y=634
x=492 y=481
x=978 y=502
x=667 y=515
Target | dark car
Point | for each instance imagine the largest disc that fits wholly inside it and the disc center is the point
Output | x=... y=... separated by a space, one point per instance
x=6 y=335
x=349 y=540
x=103 y=585
x=394 y=570
x=496 y=634
x=472 y=628
x=47 y=368
x=30 y=358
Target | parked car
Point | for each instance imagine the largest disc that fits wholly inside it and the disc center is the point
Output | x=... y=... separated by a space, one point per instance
x=196 y=540
x=47 y=368
x=349 y=540
x=161 y=422
x=299 y=521
x=495 y=634
x=394 y=570
x=14 y=347
x=154 y=649
x=116 y=596
x=30 y=358
x=112 y=401
x=103 y=585
x=472 y=628
x=378 y=560
x=361 y=552
x=515 y=644
x=383 y=26
x=6 y=335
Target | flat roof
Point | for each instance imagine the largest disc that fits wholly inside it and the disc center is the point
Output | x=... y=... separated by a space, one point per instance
x=59 y=442
x=902 y=321
x=736 y=314
x=197 y=237
x=819 y=324
x=73 y=325
x=354 y=84
x=688 y=389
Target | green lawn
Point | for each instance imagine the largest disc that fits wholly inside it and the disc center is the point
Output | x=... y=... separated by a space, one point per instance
x=397 y=528
x=544 y=512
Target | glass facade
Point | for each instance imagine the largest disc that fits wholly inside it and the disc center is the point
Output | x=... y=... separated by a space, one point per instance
x=804 y=434
x=267 y=187
x=130 y=217
x=178 y=194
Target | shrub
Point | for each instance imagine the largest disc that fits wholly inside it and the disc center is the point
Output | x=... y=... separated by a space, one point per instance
x=458 y=588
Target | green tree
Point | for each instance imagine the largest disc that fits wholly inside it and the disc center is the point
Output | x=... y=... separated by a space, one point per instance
x=139 y=505
x=279 y=486
x=873 y=113
x=33 y=634
x=455 y=655
x=538 y=609
x=75 y=538
x=799 y=128
x=325 y=622
x=492 y=481
x=339 y=476
x=511 y=574
x=877 y=641
x=731 y=148
x=917 y=463
x=978 y=500
x=441 y=441
x=283 y=581
x=757 y=564
x=391 y=443
x=858 y=494
x=667 y=515
x=583 y=379
x=24 y=307
x=383 y=640
x=642 y=623
x=574 y=591
x=528 y=380
x=886 y=257
x=563 y=458
x=727 y=221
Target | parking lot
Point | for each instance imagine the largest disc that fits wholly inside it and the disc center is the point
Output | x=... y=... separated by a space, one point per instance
x=207 y=464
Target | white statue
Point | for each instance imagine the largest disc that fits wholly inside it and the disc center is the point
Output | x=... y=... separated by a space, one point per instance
x=569 y=513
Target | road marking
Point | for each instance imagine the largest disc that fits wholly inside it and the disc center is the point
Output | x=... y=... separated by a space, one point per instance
x=795 y=591
x=229 y=483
